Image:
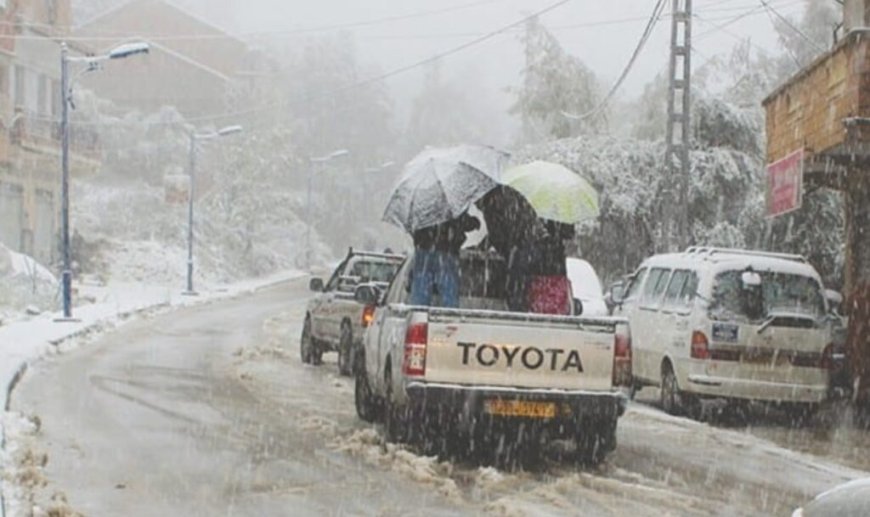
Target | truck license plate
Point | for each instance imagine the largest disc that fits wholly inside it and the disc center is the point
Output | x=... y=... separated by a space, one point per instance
x=521 y=408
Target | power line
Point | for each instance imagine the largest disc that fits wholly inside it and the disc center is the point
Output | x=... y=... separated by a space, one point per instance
x=790 y=25
x=373 y=79
x=653 y=19
x=156 y=37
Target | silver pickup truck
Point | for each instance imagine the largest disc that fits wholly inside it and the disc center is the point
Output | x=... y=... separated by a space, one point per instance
x=334 y=320
x=481 y=372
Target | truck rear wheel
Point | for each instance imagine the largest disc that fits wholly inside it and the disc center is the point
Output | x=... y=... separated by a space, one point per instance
x=345 y=350
x=308 y=349
x=594 y=440
x=395 y=417
x=367 y=406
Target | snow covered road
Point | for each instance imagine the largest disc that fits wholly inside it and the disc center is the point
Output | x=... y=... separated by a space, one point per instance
x=209 y=411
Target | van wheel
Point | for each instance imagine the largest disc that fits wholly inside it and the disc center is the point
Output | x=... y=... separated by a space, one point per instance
x=345 y=348
x=670 y=394
x=366 y=404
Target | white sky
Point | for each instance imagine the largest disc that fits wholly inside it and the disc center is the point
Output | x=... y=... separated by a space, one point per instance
x=604 y=47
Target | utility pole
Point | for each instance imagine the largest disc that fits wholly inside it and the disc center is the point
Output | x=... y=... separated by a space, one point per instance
x=677 y=166
x=92 y=63
x=64 y=220
x=190 y=196
x=194 y=138
x=856 y=194
x=314 y=164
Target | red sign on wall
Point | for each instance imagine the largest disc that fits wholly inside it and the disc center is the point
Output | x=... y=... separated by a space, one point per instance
x=785 y=184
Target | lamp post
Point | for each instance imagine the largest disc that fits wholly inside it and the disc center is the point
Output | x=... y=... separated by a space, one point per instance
x=314 y=162
x=92 y=63
x=194 y=138
x=371 y=170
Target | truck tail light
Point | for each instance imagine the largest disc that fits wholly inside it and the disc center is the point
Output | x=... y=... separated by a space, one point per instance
x=622 y=356
x=700 y=346
x=826 y=361
x=368 y=315
x=416 y=338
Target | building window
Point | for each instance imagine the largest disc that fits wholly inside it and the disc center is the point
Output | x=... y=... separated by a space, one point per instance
x=51 y=6
x=42 y=95
x=55 y=97
x=4 y=80
x=20 y=86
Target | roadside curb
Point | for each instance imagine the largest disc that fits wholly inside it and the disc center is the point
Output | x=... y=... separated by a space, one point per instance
x=111 y=322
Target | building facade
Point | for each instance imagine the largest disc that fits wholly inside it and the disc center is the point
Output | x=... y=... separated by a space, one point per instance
x=30 y=101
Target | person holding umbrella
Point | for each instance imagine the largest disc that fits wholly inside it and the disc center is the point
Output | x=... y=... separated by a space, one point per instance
x=430 y=201
x=530 y=216
x=436 y=261
x=549 y=290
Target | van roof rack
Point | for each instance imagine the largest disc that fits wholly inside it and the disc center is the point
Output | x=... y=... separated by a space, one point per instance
x=708 y=251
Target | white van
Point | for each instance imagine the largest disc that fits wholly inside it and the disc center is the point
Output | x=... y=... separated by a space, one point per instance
x=726 y=323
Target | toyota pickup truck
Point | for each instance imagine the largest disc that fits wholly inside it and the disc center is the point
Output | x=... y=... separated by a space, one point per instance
x=479 y=371
x=334 y=320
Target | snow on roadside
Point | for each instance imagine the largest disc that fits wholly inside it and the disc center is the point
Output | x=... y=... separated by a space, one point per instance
x=368 y=445
x=24 y=342
x=26 y=284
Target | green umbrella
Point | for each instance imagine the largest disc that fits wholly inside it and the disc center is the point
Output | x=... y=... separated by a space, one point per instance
x=555 y=192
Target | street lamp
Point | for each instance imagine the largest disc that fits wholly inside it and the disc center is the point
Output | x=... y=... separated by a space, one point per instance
x=315 y=161
x=378 y=168
x=194 y=138
x=92 y=63
x=371 y=170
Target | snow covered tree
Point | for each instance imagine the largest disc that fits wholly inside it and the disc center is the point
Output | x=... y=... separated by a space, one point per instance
x=557 y=88
x=808 y=37
x=628 y=176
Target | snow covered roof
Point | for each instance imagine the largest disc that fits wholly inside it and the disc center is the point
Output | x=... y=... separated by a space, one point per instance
x=723 y=259
x=170 y=6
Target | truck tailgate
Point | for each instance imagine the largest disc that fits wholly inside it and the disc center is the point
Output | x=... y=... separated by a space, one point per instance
x=519 y=350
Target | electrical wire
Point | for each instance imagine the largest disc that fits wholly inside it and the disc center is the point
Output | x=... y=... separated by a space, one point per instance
x=156 y=37
x=373 y=79
x=657 y=15
x=653 y=20
x=792 y=27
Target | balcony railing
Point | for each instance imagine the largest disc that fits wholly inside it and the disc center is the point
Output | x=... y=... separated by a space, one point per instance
x=39 y=132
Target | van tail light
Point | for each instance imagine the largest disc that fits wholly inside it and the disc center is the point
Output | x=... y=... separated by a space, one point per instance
x=368 y=315
x=416 y=338
x=700 y=346
x=826 y=361
x=622 y=356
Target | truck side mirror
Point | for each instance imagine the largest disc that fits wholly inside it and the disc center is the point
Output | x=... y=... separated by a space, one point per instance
x=578 y=307
x=316 y=285
x=616 y=292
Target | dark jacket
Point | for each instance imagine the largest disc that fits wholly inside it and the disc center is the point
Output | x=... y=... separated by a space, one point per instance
x=446 y=237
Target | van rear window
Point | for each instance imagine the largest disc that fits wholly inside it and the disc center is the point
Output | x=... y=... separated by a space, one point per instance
x=779 y=292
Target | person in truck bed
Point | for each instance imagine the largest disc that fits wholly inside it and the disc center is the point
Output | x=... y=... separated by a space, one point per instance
x=549 y=288
x=436 y=261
